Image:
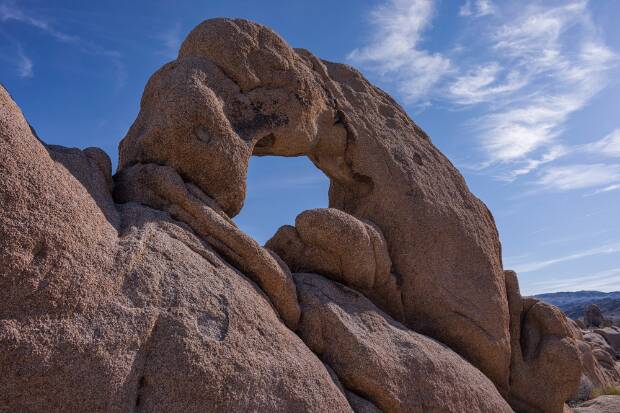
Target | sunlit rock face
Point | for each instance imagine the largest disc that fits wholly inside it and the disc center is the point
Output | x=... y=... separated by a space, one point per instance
x=207 y=112
x=138 y=293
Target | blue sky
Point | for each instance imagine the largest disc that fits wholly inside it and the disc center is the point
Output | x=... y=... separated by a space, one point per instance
x=523 y=97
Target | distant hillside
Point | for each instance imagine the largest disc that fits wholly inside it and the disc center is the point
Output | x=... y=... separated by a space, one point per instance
x=575 y=303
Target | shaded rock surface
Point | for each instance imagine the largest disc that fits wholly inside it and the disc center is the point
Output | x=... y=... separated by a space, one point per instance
x=545 y=369
x=612 y=337
x=593 y=317
x=377 y=357
x=600 y=363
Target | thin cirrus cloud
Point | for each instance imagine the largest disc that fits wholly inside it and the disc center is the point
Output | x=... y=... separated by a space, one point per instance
x=171 y=40
x=580 y=176
x=11 y=12
x=525 y=267
x=528 y=69
x=24 y=64
x=394 y=49
x=550 y=78
x=606 y=280
x=477 y=8
x=609 y=146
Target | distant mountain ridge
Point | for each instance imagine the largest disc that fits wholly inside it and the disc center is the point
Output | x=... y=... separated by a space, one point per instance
x=574 y=303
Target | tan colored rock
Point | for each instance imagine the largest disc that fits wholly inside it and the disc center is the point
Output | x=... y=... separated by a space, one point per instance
x=204 y=113
x=599 y=361
x=612 y=337
x=335 y=244
x=158 y=302
x=593 y=317
x=373 y=355
x=120 y=308
x=163 y=188
x=545 y=369
x=208 y=111
x=602 y=404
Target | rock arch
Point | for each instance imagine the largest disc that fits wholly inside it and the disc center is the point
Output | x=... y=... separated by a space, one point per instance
x=204 y=114
x=146 y=295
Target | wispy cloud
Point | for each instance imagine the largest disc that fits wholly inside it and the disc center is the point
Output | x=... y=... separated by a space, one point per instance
x=609 y=146
x=482 y=84
x=613 y=248
x=606 y=280
x=526 y=69
x=11 y=12
x=556 y=79
x=24 y=64
x=478 y=8
x=394 y=51
x=579 y=176
x=529 y=165
x=171 y=41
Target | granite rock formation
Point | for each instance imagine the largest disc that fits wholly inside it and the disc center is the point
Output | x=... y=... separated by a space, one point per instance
x=602 y=404
x=207 y=112
x=138 y=293
x=593 y=317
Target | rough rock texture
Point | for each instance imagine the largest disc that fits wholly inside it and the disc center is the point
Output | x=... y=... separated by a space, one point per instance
x=602 y=404
x=612 y=337
x=208 y=111
x=545 y=369
x=599 y=360
x=139 y=294
x=593 y=317
x=378 y=358
x=110 y=308
x=163 y=188
x=338 y=245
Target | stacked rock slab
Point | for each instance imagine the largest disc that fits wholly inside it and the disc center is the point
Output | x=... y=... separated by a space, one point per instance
x=373 y=355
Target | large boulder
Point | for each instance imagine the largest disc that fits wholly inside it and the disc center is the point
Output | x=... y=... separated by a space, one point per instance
x=120 y=308
x=545 y=368
x=599 y=360
x=612 y=337
x=378 y=359
x=593 y=317
x=333 y=243
x=237 y=89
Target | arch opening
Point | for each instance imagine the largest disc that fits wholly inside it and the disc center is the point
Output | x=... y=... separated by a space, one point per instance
x=278 y=188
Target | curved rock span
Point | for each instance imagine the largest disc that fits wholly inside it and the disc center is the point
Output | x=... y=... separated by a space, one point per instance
x=138 y=293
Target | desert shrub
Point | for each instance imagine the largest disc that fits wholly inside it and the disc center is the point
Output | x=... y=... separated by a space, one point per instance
x=606 y=391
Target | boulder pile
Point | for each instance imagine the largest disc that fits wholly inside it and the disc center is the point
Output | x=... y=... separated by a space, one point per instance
x=136 y=292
